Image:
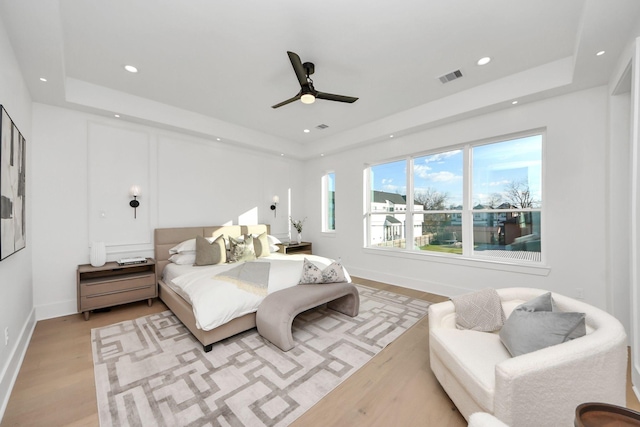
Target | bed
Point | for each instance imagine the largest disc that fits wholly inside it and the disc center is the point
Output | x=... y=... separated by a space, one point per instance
x=167 y=238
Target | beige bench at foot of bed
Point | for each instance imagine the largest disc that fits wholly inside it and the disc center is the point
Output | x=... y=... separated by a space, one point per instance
x=276 y=312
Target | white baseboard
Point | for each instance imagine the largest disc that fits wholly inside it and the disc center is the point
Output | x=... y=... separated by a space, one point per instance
x=407 y=282
x=56 y=309
x=12 y=368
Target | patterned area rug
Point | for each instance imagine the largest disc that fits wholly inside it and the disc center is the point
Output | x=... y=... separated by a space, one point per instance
x=152 y=372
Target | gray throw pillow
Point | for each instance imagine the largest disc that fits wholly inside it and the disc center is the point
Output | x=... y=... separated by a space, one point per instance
x=527 y=331
x=241 y=250
x=543 y=302
x=210 y=253
x=479 y=311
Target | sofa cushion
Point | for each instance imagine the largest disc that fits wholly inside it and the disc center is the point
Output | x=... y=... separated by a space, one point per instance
x=479 y=311
x=471 y=357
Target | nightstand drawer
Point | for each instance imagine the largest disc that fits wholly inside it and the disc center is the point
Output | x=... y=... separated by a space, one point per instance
x=119 y=297
x=116 y=284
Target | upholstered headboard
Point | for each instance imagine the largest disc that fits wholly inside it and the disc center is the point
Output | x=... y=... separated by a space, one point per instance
x=166 y=238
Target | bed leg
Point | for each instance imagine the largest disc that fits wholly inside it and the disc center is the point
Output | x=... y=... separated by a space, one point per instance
x=207 y=348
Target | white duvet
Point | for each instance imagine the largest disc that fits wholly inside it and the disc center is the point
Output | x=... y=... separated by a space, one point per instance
x=215 y=301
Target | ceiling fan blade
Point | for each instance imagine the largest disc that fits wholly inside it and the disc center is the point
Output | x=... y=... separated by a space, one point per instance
x=297 y=67
x=339 y=98
x=288 y=101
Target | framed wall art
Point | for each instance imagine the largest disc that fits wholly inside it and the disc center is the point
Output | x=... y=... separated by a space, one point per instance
x=12 y=187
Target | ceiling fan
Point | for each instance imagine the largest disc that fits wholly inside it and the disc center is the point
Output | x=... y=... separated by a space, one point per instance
x=308 y=93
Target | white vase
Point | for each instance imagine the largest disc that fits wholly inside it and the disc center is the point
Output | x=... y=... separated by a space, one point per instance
x=98 y=254
x=299 y=237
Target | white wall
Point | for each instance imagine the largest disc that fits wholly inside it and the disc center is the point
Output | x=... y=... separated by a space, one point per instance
x=83 y=167
x=16 y=295
x=575 y=209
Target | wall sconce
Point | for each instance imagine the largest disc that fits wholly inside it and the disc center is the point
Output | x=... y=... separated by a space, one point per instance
x=134 y=191
x=276 y=200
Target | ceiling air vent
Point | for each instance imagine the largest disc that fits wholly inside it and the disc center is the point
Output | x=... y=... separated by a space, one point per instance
x=322 y=126
x=451 y=76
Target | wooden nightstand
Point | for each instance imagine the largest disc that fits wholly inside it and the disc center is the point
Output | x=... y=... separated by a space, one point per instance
x=113 y=284
x=295 y=248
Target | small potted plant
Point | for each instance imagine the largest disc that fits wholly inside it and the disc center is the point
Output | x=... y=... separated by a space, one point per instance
x=297 y=224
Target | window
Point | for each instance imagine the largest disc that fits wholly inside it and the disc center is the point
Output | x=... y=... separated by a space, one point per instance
x=507 y=198
x=387 y=205
x=329 y=202
x=481 y=200
x=437 y=196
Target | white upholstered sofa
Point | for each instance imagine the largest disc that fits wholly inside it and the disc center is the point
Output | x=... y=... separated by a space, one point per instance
x=541 y=388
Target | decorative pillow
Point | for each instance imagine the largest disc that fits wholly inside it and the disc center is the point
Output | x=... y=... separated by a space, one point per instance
x=310 y=273
x=241 y=250
x=261 y=245
x=273 y=243
x=186 y=246
x=188 y=258
x=543 y=302
x=273 y=240
x=479 y=311
x=333 y=273
x=210 y=253
x=527 y=331
x=215 y=236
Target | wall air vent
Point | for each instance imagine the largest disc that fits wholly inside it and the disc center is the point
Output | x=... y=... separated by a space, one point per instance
x=322 y=126
x=450 y=76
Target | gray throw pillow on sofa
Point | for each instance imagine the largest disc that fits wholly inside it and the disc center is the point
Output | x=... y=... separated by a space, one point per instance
x=543 y=302
x=527 y=331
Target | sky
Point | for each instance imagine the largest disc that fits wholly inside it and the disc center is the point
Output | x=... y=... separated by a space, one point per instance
x=494 y=166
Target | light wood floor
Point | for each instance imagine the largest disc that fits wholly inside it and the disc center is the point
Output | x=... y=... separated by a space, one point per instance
x=56 y=384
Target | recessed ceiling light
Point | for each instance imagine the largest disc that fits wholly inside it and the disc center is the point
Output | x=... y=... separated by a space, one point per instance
x=116 y=115
x=281 y=154
x=484 y=61
x=217 y=139
x=390 y=136
x=306 y=131
x=514 y=102
x=42 y=79
x=131 y=68
x=321 y=154
x=600 y=53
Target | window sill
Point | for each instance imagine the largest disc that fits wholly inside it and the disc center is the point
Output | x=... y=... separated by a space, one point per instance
x=536 y=269
x=331 y=233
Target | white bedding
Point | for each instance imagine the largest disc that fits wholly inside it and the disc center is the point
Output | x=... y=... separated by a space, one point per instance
x=215 y=301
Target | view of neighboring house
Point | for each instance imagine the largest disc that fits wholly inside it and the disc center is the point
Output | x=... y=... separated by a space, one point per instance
x=389 y=229
x=505 y=229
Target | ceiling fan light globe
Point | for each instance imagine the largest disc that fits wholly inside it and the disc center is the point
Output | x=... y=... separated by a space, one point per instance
x=307 y=98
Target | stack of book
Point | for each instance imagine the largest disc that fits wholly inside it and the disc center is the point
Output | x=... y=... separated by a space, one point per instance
x=132 y=260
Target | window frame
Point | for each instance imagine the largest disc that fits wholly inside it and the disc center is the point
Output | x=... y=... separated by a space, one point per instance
x=469 y=255
x=326 y=203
